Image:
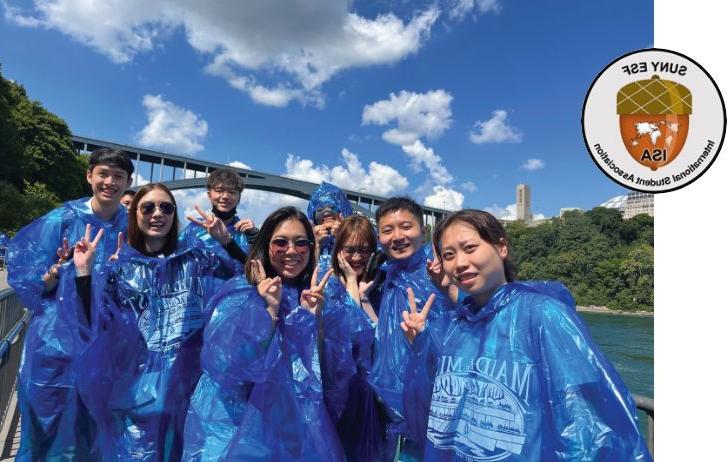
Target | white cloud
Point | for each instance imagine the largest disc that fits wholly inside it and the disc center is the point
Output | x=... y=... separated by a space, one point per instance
x=534 y=164
x=297 y=45
x=495 y=130
x=378 y=179
x=509 y=212
x=459 y=9
x=238 y=164
x=445 y=198
x=172 y=127
x=469 y=186
x=417 y=115
x=421 y=155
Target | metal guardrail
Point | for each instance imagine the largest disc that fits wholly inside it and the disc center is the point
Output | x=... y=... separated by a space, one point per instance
x=14 y=318
x=647 y=405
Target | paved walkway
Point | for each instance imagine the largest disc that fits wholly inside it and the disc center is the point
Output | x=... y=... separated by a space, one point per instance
x=4 y=279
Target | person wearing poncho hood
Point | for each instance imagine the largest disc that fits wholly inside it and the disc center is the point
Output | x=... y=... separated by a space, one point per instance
x=55 y=422
x=327 y=207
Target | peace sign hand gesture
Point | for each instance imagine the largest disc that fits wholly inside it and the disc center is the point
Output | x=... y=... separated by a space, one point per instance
x=213 y=225
x=63 y=253
x=349 y=274
x=312 y=299
x=119 y=243
x=414 y=322
x=84 y=251
x=270 y=289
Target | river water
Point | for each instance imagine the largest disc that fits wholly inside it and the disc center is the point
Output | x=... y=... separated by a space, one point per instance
x=628 y=342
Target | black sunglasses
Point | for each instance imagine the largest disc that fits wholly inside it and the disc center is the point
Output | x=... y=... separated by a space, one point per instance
x=148 y=208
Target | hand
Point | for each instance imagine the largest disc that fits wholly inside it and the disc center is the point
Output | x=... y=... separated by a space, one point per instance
x=320 y=232
x=364 y=288
x=436 y=272
x=119 y=244
x=270 y=289
x=312 y=299
x=415 y=322
x=64 y=252
x=84 y=251
x=349 y=274
x=213 y=225
x=244 y=225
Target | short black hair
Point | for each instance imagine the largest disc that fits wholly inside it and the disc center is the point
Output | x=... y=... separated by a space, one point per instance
x=129 y=192
x=225 y=177
x=400 y=203
x=112 y=158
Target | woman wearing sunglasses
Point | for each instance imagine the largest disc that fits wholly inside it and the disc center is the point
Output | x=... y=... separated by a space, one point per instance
x=346 y=344
x=146 y=317
x=259 y=397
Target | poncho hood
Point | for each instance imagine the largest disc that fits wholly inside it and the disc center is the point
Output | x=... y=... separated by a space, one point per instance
x=330 y=195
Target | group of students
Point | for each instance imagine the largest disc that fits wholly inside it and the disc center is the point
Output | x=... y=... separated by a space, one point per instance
x=317 y=337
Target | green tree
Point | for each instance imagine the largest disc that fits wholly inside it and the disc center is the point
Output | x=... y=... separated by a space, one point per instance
x=39 y=167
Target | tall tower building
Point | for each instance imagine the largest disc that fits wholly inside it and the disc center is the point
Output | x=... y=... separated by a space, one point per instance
x=522 y=197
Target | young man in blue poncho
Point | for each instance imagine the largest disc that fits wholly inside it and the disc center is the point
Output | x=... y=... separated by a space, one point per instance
x=516 y=375
x=328 y=206
x=55 y=423
x=224 y=188
x=401 y=236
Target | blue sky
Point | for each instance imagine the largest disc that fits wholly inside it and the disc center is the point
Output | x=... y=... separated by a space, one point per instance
x=452 y=102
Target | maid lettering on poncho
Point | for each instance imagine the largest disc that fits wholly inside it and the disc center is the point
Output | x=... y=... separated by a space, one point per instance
x=146 y=316
x=516 y=376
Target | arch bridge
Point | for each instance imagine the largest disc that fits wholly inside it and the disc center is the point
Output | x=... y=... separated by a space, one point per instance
x=180 y=172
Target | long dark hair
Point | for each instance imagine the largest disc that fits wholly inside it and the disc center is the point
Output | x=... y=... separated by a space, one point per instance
x=135 y=237
x=259 y=250
x=489 y=229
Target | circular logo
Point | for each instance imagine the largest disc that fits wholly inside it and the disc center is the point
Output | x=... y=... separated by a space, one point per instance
x=653 y=120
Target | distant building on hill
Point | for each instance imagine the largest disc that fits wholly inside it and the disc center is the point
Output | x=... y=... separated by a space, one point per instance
x=638 y=203
x=522 y=197
x=632 y=204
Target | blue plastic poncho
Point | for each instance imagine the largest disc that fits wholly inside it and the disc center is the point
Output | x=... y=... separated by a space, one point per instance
x=194 y=232
x=327 y=195
x=142 y=363
x=259 y=398
x=346 y=348
x=54 y=421
x=520 y=379
x=391 y=349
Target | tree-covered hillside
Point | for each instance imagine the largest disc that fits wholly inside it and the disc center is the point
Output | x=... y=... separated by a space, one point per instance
x=38 y=166
x=604 y=259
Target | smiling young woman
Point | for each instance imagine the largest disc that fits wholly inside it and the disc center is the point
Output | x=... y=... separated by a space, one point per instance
x=144 y=315
x=260 y=396
x=516 y=355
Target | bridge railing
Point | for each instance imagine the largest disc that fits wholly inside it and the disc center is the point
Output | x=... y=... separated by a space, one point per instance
x=647 y=405
x=14 y=319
